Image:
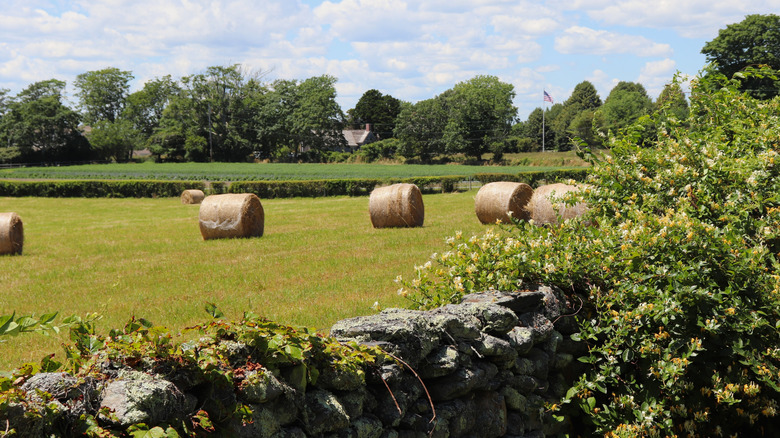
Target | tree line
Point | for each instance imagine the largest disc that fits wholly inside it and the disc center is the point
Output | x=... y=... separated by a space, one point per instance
x=227 y=113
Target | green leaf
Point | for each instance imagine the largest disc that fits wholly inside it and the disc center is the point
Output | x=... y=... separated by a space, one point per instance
x=49 y=365
x=591 y=403
x=142 y=431
x=212 y=310
x=298 y=377
x=47 y=318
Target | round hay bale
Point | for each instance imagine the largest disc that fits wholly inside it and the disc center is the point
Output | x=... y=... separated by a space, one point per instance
x=398 y=205
x=11 y=234
x=231 y=215
x=501 y=201
x=544 y=212
x=192 y=196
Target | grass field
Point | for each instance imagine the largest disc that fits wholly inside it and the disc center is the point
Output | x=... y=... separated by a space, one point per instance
x=262 y=171
x=319 y=261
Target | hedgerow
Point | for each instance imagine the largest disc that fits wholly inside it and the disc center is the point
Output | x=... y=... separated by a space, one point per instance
x=679 y=279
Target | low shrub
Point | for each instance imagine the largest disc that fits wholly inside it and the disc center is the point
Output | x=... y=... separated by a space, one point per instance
x=97 y=188
x=679 y=281
x=535 y=178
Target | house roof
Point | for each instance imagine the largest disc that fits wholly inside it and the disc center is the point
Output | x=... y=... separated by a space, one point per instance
x=356 y=137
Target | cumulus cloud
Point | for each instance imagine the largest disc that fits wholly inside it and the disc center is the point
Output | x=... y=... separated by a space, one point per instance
x=410 y=49
x=578 y=39
x=656 y=74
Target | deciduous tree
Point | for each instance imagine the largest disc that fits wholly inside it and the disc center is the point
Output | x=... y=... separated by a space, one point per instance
x=753 y=41
x=377 y=109
x=102 y=94
x=38 y=127
x=481 y=113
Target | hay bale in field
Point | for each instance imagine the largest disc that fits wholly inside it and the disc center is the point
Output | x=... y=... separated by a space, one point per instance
x=398 y=205
x=498 y=201
x=11 y=234
x=544 y=200
x=192 y=196
x=231 y=215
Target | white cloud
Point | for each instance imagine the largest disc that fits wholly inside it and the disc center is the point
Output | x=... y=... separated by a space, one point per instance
x=656 y=74
x=583 y=40
x=603 y=82
x=688 y=18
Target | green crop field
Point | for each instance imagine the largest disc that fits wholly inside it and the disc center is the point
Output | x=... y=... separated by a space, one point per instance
x=320 y=260
x=263 y=171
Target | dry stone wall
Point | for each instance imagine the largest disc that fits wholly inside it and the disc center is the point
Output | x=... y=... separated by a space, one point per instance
x=483 y=368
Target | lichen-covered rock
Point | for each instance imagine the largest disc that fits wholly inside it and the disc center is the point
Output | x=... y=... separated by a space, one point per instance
x=491 y=416
x=445 y=360
x=60 y=386
x=406 y=333
x=341 y=379
x=496 y=320
x=454 y=322
x=293 y=432
x=142 y=398
x=365 y=427
x=456 y=417
x=551 y=345
x=324 y=413
x=462 y=382
x=356 y=401
x=263 y=425
x=260 y=387
x=521 y=339
x=520 y=301
x=541 y=327
x=498 y=350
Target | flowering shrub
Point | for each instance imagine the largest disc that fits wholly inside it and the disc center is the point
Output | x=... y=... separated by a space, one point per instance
x=680 y=277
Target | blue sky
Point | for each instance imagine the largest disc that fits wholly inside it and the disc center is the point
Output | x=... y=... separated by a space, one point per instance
x=410 y=49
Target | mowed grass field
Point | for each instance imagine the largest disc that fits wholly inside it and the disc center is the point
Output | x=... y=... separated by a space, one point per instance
x=319 y=261
x=286 y=171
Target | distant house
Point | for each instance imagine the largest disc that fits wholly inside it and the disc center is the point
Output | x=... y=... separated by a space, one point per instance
x=358 y=137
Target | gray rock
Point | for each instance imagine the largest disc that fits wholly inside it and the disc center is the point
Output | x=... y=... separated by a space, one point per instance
x=285 y=409
x=406 y=332
x=339 y=379
x=462 y=382
x=561 y=361
x=520 y=301
x=524 y=367
x=456 y=417
x=61 y=386
x=552 y=344
x=515 y=424
x=514 y=400
x=491 y=419
x=541 y=327
x=441 y=362
x=521 y=339
x=264 y=424
x=454 y=323
x=141 y=398
x=541 y=361
x=497 y=350
x=260 y=387
x=496 y=320
x=293 y=432
x=324 y=413
x=367 y=427
x=356 y=401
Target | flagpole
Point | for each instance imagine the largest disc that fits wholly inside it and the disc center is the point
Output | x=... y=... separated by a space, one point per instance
x=542 y=125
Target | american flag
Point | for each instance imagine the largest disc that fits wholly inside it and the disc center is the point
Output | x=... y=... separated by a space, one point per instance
x=548 y=98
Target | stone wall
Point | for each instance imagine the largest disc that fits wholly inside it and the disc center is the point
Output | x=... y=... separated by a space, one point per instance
x=483 y=368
